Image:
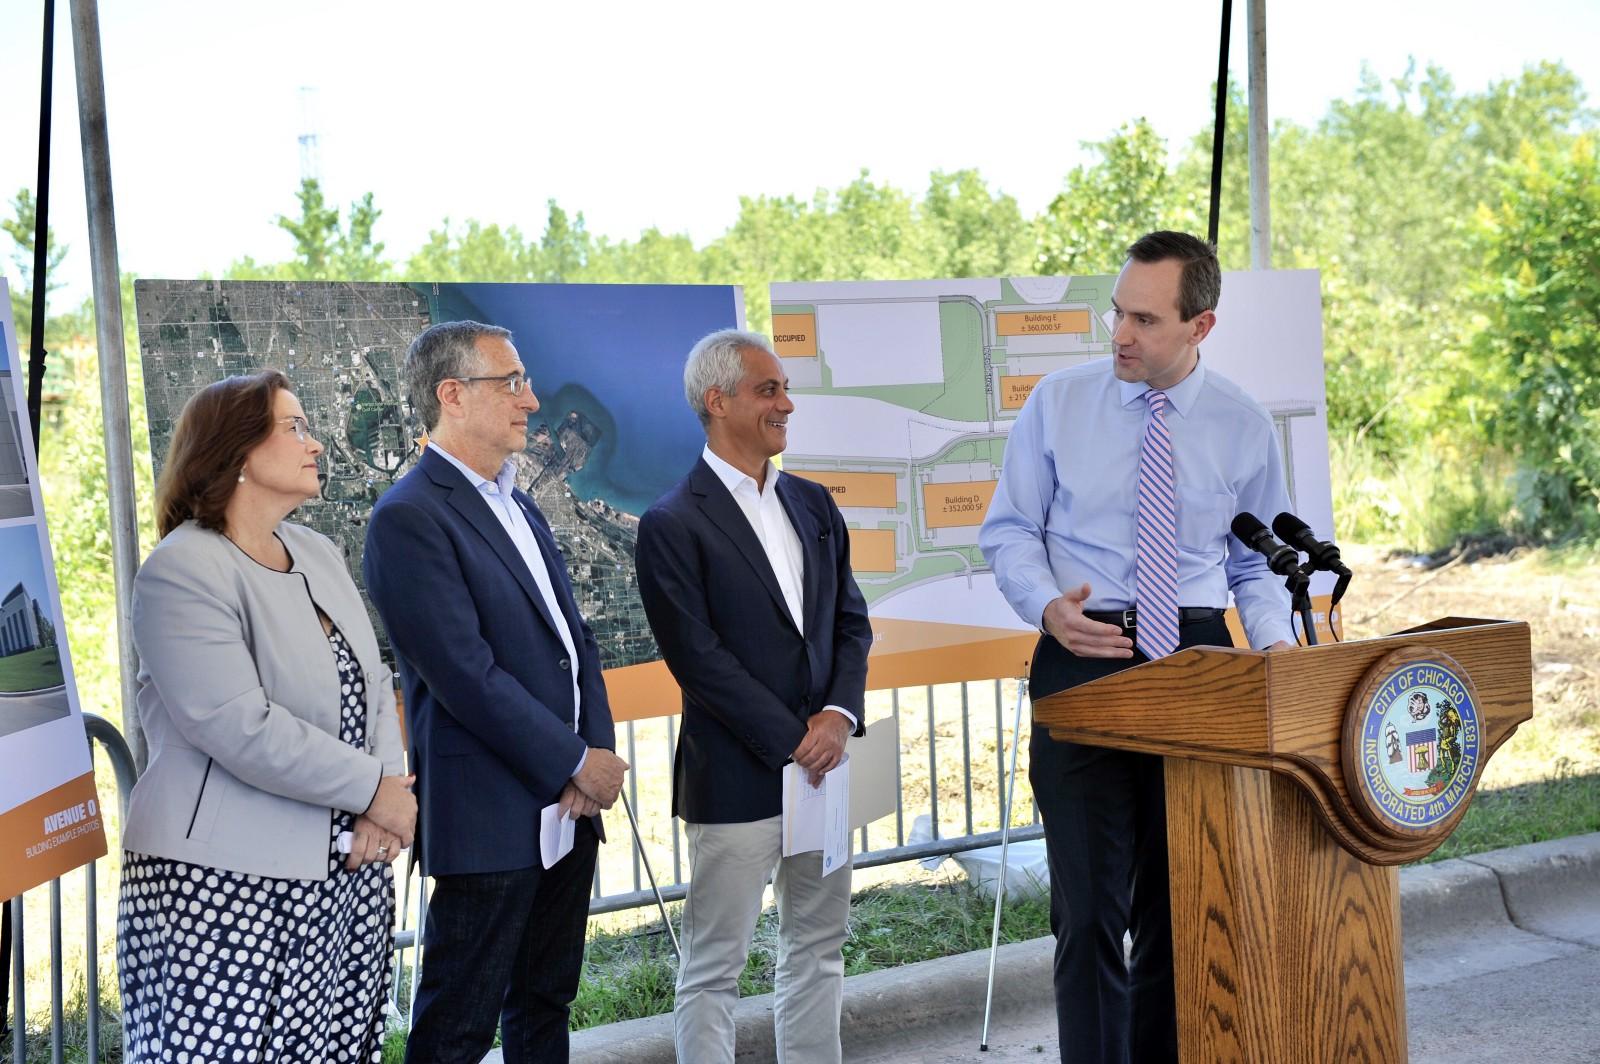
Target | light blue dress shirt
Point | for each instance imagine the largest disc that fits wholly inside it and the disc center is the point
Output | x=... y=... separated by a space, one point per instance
x=1065 y=511
x=503 y=504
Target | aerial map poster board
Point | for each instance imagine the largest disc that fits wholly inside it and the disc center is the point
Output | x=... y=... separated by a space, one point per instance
x=905 y=392
x=612 y=432
x=49 y=816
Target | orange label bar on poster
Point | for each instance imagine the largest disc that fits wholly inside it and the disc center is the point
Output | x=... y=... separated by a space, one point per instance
x=904 y=654
x=1041 y=322
x=855 y=489
x=957 y=505
x=1015 y=389
x=872 y=550
x=794 y=335
x=49 y=836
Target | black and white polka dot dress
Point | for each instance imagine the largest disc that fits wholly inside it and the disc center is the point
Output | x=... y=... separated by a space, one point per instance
x=219 y=966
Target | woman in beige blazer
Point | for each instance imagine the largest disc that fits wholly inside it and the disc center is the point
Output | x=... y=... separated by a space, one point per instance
x=257 y=898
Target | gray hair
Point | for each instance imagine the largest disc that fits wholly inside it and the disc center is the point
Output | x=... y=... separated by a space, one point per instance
x=439 y=353
x=717 y=361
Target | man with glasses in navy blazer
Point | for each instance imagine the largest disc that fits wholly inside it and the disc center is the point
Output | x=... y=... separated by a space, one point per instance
x=745 y=576
x=505 y=704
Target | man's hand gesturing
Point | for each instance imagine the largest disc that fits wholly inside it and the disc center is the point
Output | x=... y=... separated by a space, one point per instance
x=1064 y=620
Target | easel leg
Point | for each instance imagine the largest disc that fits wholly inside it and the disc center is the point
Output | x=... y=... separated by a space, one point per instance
x=1005 y=845
x=638 y=842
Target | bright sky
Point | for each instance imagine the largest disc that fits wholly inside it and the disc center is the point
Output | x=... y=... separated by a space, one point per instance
x=645 y=114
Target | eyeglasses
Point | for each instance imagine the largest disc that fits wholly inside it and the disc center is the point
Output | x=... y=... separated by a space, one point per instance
x=302 y=427
x=514 y=382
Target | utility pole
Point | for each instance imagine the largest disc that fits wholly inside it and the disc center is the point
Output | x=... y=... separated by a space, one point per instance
x=1260 y=185
x=107 y=279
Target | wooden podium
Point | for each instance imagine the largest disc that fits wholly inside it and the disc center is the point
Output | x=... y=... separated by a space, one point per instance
x=1296 y=780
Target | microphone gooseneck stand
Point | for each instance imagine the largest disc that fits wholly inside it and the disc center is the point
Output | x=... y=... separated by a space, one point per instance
x=1298 y=584
x=1321 y=556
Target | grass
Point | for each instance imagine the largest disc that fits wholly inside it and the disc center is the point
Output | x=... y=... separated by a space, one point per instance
x=1568 y=803
x=32 y=670
x=1423 y=499
x=629 y=975
x=75 y=1025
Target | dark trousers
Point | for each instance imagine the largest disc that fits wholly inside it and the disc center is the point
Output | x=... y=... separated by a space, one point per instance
x=504 y=946
x=1105 y=826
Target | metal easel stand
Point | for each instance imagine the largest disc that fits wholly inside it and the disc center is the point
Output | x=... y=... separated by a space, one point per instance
x=1005 y=844
x=638 y=842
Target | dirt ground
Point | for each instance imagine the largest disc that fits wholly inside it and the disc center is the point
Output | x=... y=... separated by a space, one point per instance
x=1557 y=594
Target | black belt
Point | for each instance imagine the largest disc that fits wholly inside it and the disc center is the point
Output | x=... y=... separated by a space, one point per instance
x=1129 y=618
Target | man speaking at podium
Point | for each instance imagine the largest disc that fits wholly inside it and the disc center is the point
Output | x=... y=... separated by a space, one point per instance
x=1110 y=532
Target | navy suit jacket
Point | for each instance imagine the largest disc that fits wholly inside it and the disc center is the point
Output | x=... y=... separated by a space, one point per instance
x=750 y=678
x=487 y=680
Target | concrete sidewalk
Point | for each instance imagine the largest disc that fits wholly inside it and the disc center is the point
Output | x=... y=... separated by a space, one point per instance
x=1531 y=910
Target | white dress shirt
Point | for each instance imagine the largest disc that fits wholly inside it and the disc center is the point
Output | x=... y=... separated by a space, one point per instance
x=497 y=493
x=770 y=522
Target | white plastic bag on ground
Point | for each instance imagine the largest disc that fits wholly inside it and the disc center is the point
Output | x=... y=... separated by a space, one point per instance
x=1027 y=871
x=1028 y=874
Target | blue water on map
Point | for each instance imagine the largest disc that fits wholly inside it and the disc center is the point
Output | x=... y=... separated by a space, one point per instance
x=614 y=353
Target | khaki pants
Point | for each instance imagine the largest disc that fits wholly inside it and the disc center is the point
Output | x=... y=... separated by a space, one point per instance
x=729 y=865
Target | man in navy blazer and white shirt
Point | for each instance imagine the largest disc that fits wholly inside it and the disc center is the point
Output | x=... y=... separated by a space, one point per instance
x=505 y=705
x=745 y=576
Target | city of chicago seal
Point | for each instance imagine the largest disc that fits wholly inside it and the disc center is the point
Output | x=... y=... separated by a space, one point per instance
x=1414 y=736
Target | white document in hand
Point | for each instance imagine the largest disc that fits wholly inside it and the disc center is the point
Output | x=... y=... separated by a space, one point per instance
x=556 y=833
x=818 y=818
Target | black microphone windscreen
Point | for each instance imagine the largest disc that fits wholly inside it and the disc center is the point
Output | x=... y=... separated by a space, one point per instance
x=1247 y=526
x=1288 y=527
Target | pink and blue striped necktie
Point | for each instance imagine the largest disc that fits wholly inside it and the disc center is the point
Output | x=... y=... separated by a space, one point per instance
x=1156 y=542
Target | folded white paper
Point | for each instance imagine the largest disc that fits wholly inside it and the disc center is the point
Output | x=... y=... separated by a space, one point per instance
x=818 y=818
x=556 y=833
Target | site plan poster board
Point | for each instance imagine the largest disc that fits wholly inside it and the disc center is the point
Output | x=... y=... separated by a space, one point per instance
x=612 y=433
x=905 y=392
x=50 y=819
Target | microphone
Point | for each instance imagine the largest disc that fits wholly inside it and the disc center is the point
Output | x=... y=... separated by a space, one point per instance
x=1296 y=533
x=1285 y=561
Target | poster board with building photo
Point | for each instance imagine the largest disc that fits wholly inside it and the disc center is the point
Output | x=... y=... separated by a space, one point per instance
x=50 y=820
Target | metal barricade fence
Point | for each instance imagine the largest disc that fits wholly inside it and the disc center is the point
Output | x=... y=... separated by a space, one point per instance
x=948 y=714
x=956 y=776
x=105 y=734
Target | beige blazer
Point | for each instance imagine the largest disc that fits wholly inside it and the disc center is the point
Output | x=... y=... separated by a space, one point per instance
x=239 y=696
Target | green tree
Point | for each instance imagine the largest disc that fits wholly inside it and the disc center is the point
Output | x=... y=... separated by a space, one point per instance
x=356 y=256
x=22 y=227
x=865 y=230
x=1104 y=206
x=477 y=252
x=974 y=233
x=316 y=233
x=324 y=249
x=564 y=249
x=1540 y=347
x=654 y=258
